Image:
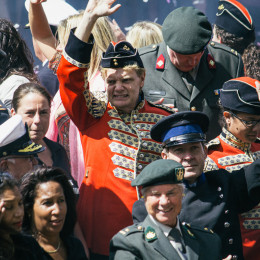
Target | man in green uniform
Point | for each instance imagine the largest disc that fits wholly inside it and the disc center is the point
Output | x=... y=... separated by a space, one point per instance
x=186 y=69
x=161 y=235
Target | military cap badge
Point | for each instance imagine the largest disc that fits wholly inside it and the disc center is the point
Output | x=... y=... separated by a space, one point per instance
x=221 y=7
x=179 y=173
x=126 y=48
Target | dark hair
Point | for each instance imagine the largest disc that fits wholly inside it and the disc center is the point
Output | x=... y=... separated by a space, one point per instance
x=251 y=60
x=7 y=247
x=29 y=185
x=237 y=43
x=221 y=118
x=18 y=59
x=27 y=88
x=7 y=182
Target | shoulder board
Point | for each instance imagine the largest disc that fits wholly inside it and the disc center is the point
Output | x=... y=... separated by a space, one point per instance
x=149 y=48
x=210 y=165
x=193 y=228
x=213 y=142
x=166 y=108
x=224 y=47
x=131 y=229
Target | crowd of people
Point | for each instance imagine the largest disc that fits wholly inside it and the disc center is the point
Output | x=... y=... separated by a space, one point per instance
x=136 y=146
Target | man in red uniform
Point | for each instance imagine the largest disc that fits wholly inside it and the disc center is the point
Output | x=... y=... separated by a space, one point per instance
x=114 y=126
x=231 y=150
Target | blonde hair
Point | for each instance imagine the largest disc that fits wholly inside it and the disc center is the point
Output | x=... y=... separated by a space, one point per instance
x=103 y=35
x=66 y=25
x=102 y=32
x=144 y=33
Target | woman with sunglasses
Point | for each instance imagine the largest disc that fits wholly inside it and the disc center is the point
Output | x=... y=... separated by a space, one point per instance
x=13 y=244
x=232 y=149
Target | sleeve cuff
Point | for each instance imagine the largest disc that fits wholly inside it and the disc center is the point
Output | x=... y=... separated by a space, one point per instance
x=78 y=50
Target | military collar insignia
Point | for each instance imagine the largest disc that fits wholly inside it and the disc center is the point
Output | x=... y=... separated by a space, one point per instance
x=160 y=62
x=232 y=140
x=150 y=234
x=187 y=227
x=189 y=232
x=209 y=230
x=211 y=62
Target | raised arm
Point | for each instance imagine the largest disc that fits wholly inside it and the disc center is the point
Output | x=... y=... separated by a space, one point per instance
x=94 y=10
x=41 y=30
x=81 y=105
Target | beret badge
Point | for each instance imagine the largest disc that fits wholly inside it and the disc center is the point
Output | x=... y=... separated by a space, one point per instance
x=179 y=173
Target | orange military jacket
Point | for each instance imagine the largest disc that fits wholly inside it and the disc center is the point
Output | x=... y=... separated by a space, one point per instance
x=116 y=148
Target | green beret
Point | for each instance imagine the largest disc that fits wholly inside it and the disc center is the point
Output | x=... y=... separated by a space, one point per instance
x=160 y=172
x=186 y=30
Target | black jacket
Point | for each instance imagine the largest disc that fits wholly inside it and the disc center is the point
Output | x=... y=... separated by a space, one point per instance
x=216 y=202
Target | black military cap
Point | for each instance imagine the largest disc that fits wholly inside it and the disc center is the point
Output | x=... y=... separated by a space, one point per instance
x=180 y=128
x=234 y=18
x=240 y=95
x=186 y=30
x=160 y=172
x=15 y=139
x=119 y=55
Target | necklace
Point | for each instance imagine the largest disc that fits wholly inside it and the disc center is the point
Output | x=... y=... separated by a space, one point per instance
x=55 y=250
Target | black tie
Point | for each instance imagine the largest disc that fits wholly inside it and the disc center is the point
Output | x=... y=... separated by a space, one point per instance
x=175 y=235
x=188 y=80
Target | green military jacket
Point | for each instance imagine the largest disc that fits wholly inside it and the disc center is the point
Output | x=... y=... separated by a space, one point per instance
x=147 y=241
x=218 y=64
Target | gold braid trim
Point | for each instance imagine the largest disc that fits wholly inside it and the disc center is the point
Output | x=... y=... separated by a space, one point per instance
x=31 y=148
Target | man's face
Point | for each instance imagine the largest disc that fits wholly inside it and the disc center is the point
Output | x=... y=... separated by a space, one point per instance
x=191 y=156
x=18 y=166
x=247 y=134
x=123 y=88
x=163 y=203
x=182 y=62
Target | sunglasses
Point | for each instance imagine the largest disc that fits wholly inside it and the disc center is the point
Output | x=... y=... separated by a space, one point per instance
x=246 y=123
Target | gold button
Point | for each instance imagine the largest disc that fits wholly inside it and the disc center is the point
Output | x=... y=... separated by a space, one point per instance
x=193 y=109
